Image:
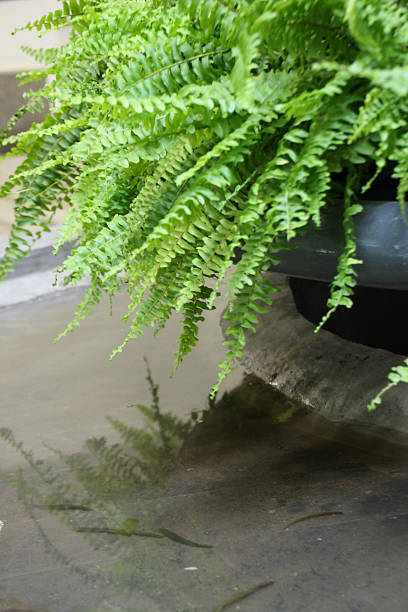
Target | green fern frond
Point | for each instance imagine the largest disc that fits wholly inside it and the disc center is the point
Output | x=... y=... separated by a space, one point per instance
x=40 y=195
x=343 y=284
x=397 y=375
x=243 y=313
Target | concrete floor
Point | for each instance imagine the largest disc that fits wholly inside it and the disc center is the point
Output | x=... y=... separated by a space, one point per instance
x=245 y=472
x=64 y=391
x=61 y=394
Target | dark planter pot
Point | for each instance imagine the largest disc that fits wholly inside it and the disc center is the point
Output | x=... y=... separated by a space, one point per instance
x=378 y=316
x=382 y=244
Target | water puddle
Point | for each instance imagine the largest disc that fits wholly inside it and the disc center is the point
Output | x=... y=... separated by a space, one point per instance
x=146 y=497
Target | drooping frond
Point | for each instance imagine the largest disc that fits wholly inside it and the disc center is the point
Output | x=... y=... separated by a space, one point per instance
x=341 y=290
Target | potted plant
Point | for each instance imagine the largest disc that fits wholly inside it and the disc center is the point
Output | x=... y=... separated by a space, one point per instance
x=182 y=131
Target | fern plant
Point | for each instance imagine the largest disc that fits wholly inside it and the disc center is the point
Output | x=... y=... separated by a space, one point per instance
x=182 y=131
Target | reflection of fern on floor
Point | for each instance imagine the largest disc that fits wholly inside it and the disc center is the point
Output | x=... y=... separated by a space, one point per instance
x=107 y=485
x=143 y=454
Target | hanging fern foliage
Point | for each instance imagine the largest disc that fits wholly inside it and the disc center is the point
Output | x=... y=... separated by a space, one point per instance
x=183 y=131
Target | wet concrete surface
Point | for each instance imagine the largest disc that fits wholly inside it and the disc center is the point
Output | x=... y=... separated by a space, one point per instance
x=62 y=392
x=275 y=473
x=279 y=494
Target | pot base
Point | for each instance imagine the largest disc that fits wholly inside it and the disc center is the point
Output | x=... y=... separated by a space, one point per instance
x=377 y=319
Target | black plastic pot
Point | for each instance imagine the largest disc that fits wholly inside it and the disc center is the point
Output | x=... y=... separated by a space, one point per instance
x=379 y=314
x=382 y=244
